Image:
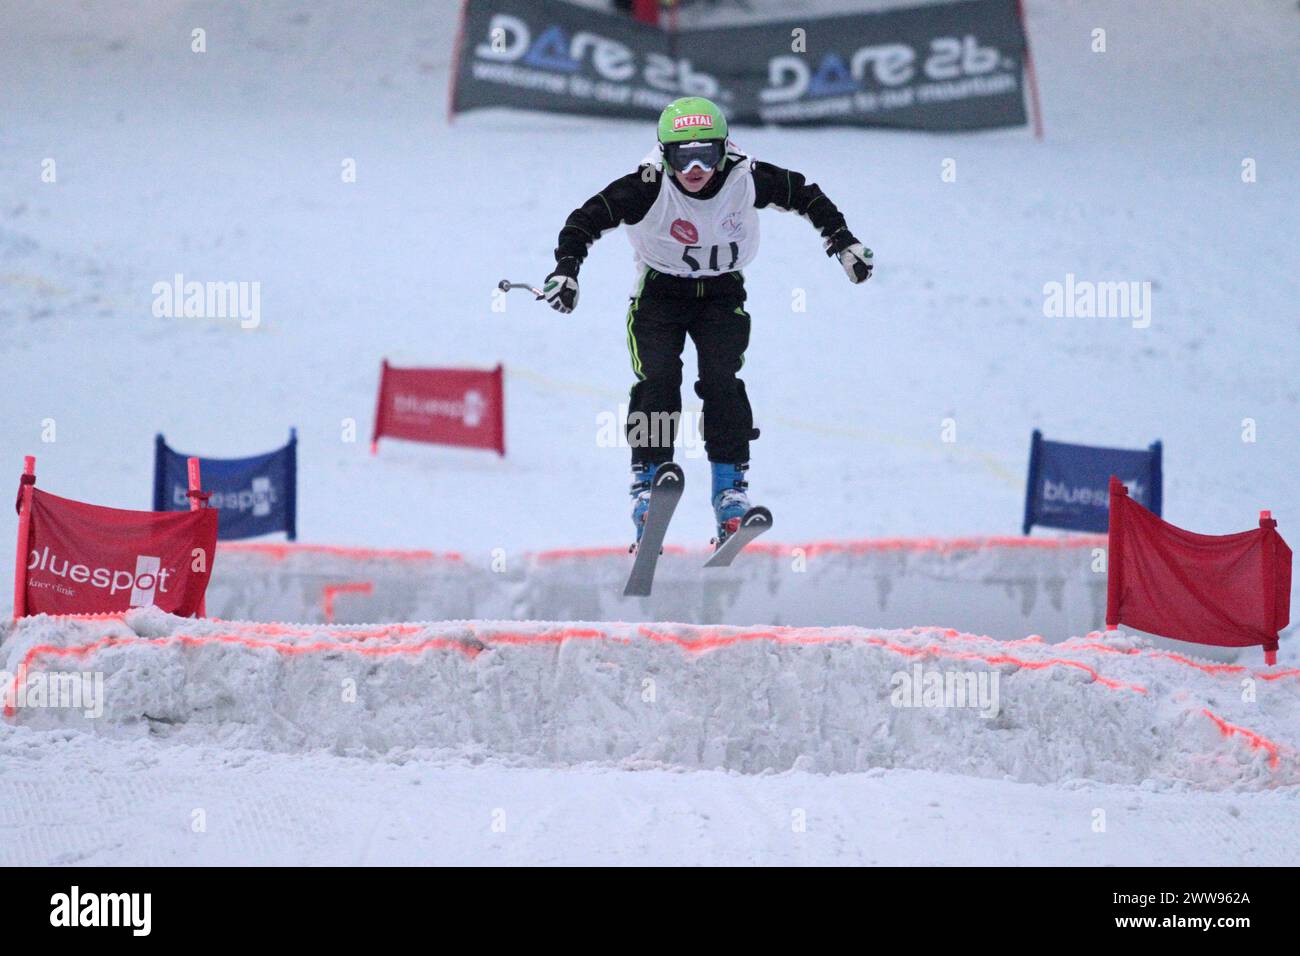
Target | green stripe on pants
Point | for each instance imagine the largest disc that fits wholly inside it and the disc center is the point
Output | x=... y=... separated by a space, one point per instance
x=631 y=336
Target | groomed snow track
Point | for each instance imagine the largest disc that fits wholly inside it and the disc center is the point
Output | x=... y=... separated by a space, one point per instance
x=1107 y=710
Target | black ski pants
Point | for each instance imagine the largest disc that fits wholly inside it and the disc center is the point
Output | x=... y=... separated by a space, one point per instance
x=712 y=313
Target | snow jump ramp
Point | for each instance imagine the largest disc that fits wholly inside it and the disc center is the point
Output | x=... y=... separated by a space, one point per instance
x=977 y=657
x=677 y=696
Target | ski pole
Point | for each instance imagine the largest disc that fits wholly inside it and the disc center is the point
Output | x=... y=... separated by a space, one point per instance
x=505 y=285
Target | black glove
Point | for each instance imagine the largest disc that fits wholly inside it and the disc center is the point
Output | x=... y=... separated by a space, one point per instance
x=561 y=287
x=561 y=292
x=854 y=258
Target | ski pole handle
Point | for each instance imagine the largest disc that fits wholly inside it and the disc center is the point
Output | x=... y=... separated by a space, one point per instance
x=505 y=285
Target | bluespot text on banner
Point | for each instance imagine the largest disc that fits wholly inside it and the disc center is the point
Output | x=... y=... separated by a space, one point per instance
x=252 y=496
x=1068 y=484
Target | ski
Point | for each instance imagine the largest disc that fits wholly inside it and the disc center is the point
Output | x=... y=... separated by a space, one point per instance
x=665 y=492
x=756 y=520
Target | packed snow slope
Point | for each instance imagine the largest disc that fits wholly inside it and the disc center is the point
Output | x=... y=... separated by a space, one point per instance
x=226 y=165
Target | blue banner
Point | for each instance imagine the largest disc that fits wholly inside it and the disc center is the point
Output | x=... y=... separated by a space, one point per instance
x=252 y=496
x=1069 y=484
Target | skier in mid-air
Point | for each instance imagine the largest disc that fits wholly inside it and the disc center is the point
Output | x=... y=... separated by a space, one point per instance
x=693 y=232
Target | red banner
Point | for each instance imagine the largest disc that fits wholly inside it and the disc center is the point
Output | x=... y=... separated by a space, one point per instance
x=1231 y=590
x=443 y=406
x=84 y=559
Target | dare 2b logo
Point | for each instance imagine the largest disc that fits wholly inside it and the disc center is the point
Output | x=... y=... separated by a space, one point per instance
x=554 y=49
x=881 y=66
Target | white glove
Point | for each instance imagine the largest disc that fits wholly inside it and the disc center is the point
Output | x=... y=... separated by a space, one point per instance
x=856 y=261
x=561 y=292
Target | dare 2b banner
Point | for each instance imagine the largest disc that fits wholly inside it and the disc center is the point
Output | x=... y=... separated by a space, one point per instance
x=252 y=496
x=944 y=66
x=1069 y=485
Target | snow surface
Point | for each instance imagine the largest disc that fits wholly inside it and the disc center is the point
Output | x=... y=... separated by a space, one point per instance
x=226 y=166
x=82 y=800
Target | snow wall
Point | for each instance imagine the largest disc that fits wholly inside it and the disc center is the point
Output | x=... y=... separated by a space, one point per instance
x=1101 y=708
x=1002 y=587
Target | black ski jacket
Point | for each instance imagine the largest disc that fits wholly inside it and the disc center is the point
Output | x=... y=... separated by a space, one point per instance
x=627 y=199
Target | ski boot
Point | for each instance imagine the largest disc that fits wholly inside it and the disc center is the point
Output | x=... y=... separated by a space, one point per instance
x=642 y=476
x=729 y=499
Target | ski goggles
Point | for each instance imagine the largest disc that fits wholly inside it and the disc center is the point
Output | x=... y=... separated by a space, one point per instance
x=705 y=153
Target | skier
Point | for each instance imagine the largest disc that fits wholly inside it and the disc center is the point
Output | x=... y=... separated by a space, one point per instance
x=692 y=232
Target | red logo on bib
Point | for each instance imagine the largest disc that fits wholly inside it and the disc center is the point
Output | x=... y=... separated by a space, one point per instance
x=684 y=232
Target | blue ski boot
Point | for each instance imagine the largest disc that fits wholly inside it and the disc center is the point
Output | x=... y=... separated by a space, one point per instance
x=729 y=499
x=642 y=476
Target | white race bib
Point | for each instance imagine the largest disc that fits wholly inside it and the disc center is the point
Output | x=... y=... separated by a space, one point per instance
x=688 y=237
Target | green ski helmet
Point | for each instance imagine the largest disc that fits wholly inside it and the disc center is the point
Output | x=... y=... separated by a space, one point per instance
x=693 y=131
